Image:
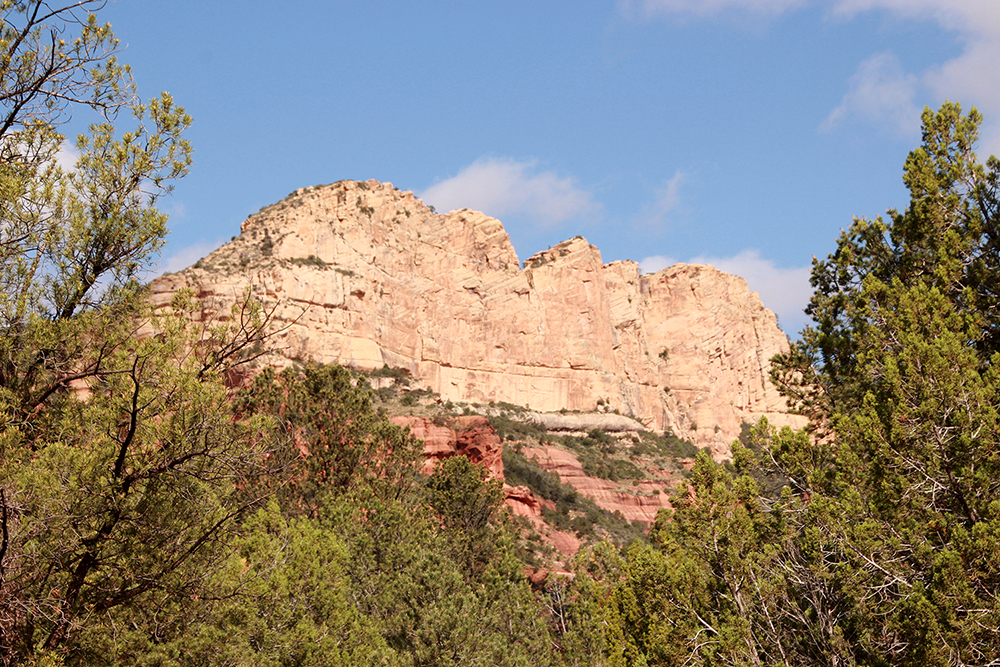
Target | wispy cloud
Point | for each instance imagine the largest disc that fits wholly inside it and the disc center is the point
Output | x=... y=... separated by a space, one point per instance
x=500 y=187
x=667 y=199
x=174 y=208
x=704 y=8
x=880 y=91
x=785 y=291
x=962 y=15
x=970 y=78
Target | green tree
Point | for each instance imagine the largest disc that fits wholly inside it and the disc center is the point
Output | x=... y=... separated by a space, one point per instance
x=408 y=574
x=130 y=471
x=127 y=488
x=335 y=439
x=132 y=492
x=469 y=506
x=945 y=240
x=882 y=548
x=72 y=244
x=899 y=375
x=429 y=564
x=709 y=590
x=43 y=75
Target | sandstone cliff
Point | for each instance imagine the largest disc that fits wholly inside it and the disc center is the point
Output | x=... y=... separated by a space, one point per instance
x=468 y=436
x=636 y=502
x=366 y=275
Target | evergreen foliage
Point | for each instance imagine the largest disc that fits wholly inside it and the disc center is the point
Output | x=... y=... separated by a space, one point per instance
x=874 y=540
x=150 y=514
x=901 y=371
x=335 y=439
x=573 y=511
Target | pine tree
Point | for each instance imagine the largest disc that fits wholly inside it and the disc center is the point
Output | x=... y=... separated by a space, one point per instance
x=901 y=381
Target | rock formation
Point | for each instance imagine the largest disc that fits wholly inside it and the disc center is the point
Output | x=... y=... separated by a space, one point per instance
x=583 y=422
x=473 y=437
x=636 y=502
x=468 y=436
x=365 y=275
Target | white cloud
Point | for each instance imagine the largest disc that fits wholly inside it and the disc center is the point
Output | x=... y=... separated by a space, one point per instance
x=971 y=78
x=784 y=291
x=668 y=198
x=185 y=257
x=66 y=157
x=880 y=91
x=972 y=74
x=650 y=8
x=501 y=187
x=960 y=15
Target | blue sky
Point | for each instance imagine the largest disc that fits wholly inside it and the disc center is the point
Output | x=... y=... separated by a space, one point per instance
x=742 y=133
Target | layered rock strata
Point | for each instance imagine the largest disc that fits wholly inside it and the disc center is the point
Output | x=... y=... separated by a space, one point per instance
x=473 y=437
x=363 y=274
x=469 y=436
x=638 y=501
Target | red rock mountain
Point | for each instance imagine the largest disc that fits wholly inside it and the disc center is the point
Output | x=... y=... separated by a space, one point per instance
x=364 y=274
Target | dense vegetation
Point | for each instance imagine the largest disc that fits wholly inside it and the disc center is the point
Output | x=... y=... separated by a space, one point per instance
x=151 y=513
x=873 y=538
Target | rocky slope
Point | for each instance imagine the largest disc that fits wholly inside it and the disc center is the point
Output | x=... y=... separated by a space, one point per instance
x=636 y=502
x=364 y=275
x=468 y=436
x=473 y=438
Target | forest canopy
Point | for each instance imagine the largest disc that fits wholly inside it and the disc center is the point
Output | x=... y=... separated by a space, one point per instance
x=880 y=542
x=152 y=513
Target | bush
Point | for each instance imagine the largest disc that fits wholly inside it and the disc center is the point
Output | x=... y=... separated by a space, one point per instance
x=311 y=260
x=667 y=445
x=400 y=376
x=510 y=429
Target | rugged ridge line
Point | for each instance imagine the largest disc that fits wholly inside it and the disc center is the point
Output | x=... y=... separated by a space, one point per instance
x=364 y=274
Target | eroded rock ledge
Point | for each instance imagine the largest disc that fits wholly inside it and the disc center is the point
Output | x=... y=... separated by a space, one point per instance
x=365 y=275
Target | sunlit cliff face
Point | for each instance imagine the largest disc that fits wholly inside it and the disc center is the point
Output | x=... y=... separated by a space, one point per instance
x=363 y=274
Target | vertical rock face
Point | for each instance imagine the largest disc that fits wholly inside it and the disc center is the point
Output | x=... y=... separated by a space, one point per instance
x=363 y=274
x=468 y=436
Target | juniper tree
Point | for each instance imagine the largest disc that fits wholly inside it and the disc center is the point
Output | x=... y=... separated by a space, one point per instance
x=899 y=375
x=883 y=548
x=130 y=483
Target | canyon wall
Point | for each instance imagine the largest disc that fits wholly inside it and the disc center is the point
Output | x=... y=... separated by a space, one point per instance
x=363 y=274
